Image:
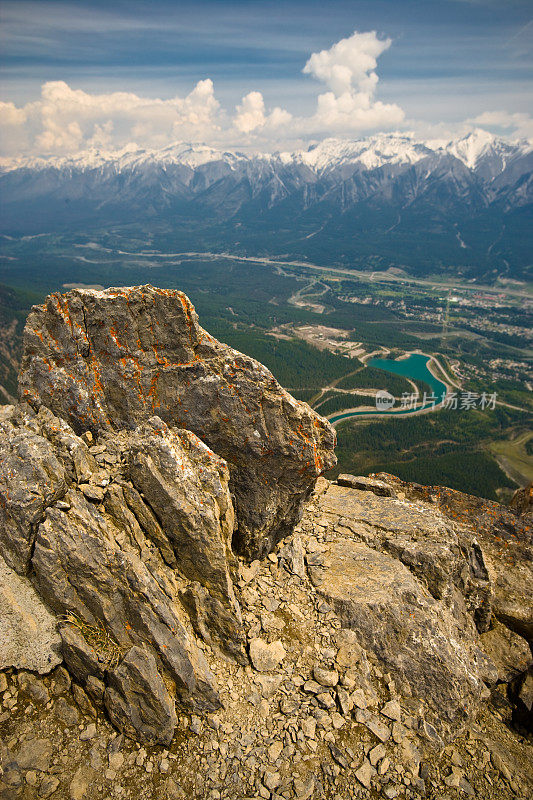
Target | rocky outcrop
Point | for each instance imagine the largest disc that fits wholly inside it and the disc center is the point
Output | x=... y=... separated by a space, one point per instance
x=111 y=359
x=114 y=547
x=411 y=587
x=383 y=627
x=125 y=522
x=506 y=539
x=415 y=639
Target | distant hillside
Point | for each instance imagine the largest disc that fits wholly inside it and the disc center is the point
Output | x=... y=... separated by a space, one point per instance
x=14 y=307
x=464 y=205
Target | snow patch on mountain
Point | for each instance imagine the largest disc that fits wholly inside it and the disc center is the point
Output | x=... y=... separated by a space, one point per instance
x=370 y=153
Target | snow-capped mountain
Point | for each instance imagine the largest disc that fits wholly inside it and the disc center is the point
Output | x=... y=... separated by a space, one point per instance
x=370 y=153
x=340 y=200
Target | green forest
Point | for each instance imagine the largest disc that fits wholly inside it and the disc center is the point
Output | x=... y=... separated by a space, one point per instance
x=337 y=401
x=439 y=448
x=374 y=378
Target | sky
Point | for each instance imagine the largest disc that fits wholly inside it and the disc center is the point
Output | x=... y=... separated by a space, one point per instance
x=259 y=74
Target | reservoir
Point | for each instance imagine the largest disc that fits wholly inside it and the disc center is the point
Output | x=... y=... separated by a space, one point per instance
x=415 y=366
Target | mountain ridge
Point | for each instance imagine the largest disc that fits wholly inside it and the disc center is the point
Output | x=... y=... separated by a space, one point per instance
x=468 y=149
x=384 y=200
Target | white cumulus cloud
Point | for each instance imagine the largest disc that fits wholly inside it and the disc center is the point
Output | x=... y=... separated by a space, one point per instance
x=65 y=120
x=519 y=123
x=251 y=114
x=348 y=69
x=349 y=63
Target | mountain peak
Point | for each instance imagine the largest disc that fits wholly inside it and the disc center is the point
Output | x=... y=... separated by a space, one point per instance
x=371 y=152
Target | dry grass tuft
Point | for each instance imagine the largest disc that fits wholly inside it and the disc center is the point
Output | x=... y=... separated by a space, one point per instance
x=107 y=650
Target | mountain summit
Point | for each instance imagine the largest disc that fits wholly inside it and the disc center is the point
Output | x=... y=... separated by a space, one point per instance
x=143 y=469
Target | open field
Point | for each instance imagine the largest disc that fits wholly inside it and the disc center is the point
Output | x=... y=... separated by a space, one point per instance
x=513 y=458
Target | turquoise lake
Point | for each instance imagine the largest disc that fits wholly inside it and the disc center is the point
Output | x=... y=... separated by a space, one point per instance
x=414 y=367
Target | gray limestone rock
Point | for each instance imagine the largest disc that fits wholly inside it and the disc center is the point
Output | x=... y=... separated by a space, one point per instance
x=133 y=571
x=111 y=359
x=31 y=477
x=186 y=486
x=446 y=558
x=509 y=651
x=414 y=636
x=137 y=699
x=28 y=631
x=84 y=565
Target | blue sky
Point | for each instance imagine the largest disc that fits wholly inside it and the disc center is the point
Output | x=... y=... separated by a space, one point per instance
x=446 y=61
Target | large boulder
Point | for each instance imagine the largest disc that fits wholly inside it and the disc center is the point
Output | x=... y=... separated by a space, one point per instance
x=446 y=558
x=413 y=636
x=413 y=588
x=111 y=359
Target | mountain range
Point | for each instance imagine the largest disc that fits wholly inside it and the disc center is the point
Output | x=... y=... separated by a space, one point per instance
x=388 y=200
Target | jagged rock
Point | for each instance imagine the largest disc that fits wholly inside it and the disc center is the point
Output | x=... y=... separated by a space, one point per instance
x=31 y=477
x=147 y=521
x=505 y=539
x=509 y=651
x=366 y=484
x=137 y=700
x=126 y=571
x=446 y=558
x=85 y=565
x=522 y=500
x=111 y=359
x=28 y=631
x=186 y=485
x=414 y=636
x=392 y=710
x=81 y=782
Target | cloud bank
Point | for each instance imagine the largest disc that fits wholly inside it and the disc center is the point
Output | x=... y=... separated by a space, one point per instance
x=65 y=121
